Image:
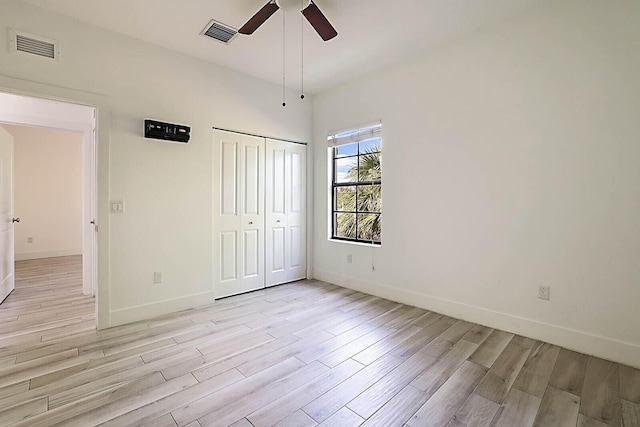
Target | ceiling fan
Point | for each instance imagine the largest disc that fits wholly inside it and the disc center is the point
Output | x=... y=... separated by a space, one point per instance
x=313 y=14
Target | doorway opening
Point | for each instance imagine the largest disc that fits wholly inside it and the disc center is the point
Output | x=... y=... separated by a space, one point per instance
x=59 y=227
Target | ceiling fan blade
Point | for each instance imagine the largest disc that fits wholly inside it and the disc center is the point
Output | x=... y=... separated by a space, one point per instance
x=259 y=18
x=319 y=22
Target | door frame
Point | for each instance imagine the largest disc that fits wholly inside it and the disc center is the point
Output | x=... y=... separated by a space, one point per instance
x=95 y=163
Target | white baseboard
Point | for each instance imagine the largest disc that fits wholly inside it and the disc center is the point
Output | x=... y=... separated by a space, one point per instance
x=23 y=256
x=583 y=342
x=149 y=311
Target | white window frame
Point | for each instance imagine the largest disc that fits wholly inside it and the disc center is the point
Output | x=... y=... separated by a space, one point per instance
x=354 y=135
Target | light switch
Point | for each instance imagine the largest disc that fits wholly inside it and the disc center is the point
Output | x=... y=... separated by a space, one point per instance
x=116 y=206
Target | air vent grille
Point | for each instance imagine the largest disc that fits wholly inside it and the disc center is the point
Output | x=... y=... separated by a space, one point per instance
x=36 y=47
x=33 y=45
x=220 y=32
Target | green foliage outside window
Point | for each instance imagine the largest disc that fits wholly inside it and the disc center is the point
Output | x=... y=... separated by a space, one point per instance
x=358 y=194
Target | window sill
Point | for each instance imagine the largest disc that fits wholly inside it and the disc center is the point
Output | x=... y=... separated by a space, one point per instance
x=349 y=242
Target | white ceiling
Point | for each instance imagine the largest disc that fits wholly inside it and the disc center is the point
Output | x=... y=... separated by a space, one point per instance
x=371 y=33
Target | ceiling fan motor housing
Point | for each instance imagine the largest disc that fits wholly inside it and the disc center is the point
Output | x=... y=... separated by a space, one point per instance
x=309 y=10
x=293 y=5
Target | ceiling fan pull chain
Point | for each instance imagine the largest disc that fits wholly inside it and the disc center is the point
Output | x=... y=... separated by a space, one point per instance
x=302 y=49
x=284 y=62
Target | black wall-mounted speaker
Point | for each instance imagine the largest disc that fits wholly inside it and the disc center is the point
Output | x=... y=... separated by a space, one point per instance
x=166 y=131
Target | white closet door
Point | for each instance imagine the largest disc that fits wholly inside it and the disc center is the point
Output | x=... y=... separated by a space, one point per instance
x=286 y=243
x=238 y=185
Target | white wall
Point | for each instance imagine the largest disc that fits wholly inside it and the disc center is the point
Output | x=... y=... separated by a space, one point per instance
x=166 y=187
x=47 y=192
x=511 y=160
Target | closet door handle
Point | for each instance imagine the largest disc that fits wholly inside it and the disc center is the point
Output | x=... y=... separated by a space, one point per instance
x=278 y=221
x=250 y=222
x=15 y=220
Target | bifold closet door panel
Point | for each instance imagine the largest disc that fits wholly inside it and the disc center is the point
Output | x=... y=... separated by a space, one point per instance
x=286 y=246
x=296 y=201
x=238 y=223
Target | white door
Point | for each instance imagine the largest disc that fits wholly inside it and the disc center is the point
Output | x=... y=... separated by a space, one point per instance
x=7 y=279
x=286 y=243
x=89 y=214
x=238 y=184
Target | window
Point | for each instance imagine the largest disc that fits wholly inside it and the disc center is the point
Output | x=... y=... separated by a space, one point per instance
x=356 y=184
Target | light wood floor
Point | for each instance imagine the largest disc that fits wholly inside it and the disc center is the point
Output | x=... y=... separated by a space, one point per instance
x=296 y=355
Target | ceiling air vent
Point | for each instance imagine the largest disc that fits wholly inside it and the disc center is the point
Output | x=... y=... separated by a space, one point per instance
x=219 y=31
x=33 y=45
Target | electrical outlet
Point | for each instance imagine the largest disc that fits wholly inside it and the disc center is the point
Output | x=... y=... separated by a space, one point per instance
x=29 y=239
x=349 y=259
x=157 y=277
x=544 y=292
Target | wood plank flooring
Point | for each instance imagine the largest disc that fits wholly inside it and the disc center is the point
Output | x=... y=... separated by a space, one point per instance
x=302 y=354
